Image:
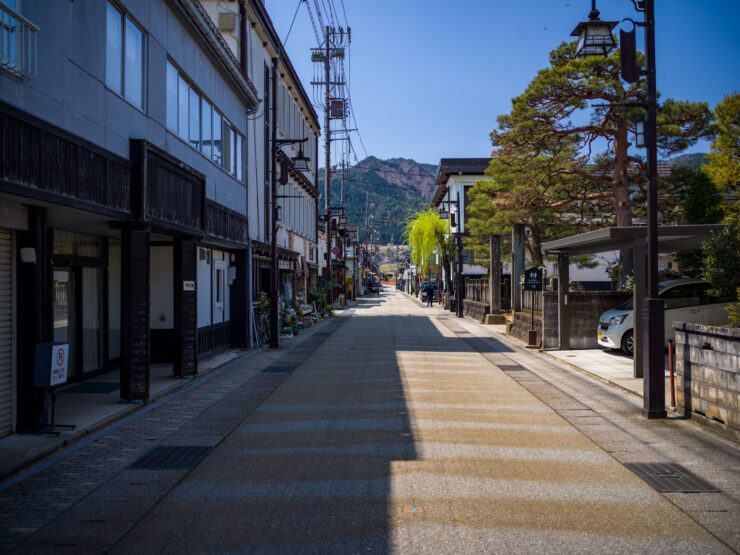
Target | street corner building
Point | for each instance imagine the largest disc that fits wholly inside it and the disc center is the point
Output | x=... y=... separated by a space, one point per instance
x=135 y=156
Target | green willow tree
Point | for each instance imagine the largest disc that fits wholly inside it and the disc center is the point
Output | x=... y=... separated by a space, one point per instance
x=425 y=232
x=724 y=155
x=568 y=137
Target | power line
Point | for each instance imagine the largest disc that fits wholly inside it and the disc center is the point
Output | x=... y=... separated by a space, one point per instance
x=285 y=42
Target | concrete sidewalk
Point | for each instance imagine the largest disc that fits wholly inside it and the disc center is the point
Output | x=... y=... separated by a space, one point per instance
x=392 y=428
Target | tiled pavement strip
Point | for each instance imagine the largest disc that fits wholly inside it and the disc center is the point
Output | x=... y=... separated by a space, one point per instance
x=204 y=413
x=400 y=433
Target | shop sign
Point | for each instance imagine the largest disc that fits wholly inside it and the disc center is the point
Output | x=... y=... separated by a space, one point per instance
x=188 y=286
x=533 y=279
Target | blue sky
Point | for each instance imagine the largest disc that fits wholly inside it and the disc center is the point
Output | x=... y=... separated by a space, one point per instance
x=429 y=77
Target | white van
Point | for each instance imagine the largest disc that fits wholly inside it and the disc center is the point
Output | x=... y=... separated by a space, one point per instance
x=685 y=300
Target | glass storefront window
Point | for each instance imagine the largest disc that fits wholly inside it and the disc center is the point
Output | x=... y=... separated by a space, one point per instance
x=77 y=244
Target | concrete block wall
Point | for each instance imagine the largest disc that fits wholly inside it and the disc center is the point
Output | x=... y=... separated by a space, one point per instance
x=584 y=309
x=708 y=372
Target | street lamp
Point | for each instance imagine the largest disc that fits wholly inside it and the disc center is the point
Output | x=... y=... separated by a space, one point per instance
x=300 y=162
x=594 y=36
x=652 y=315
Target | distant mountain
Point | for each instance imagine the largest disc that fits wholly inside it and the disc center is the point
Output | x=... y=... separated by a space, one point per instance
x=397 y=187
x=693 y=161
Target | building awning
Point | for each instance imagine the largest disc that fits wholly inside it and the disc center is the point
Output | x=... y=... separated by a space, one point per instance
x=265 y=249
x=671 y=238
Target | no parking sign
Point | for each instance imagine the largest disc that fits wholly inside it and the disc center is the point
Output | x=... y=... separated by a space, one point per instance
x=51 y=364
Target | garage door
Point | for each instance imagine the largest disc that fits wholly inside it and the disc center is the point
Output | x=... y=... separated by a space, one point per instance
x=6 y=333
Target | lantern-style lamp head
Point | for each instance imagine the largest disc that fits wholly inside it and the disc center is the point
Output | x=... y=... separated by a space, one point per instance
x=594 y=36
x=300 y=162
x=640 y=132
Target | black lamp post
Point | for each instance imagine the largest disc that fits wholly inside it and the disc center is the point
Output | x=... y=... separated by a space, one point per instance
x=300 y=162
x=652 y=315
x=458 y=251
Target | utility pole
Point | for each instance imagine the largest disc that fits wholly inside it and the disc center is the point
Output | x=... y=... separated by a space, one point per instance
x=327 y=159
x=323 y=55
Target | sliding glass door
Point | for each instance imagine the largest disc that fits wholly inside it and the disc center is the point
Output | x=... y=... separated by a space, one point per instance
x=65 y=315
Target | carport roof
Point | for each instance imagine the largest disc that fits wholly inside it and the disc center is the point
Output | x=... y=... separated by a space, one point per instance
x=671 y=238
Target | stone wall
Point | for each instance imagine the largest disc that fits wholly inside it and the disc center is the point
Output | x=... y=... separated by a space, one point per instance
x=708 y=372
x=475 y=309
x=522 y=322
x=584 y=309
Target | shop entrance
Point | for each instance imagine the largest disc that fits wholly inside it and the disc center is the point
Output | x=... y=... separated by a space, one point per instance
x=78 y=301
x=78 y=317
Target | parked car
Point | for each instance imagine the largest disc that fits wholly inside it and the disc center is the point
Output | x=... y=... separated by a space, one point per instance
x=423 y=288
x=374 y=287
x=685 y=300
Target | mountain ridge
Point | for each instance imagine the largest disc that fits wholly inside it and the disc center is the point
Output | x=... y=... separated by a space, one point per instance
x=397 y=186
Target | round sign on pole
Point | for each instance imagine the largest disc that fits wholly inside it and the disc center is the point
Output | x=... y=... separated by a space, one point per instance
x=335 y=251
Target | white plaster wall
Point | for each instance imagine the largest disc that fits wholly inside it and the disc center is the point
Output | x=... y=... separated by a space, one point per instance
x=114 y=300
x=203 y=288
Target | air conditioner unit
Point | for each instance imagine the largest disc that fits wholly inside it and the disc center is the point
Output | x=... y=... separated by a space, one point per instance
x=226 y=21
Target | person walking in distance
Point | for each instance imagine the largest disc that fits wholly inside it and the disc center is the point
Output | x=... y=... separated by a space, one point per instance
x=429 y=291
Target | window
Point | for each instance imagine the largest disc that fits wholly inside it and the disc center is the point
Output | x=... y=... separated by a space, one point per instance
x=182 y=102
x=218 y=147
x=682 y=296
x=194 y=120
x=124 y=56
x=206 y=135
x=172 y=97
x=197 y=122
x=133 y=64
x=238 y=157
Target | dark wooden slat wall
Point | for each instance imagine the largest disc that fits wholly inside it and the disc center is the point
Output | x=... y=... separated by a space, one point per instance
x=173 y=195
x=223 y=223
x=46 y=160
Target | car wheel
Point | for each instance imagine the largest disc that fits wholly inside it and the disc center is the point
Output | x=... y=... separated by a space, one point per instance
x=628 y=343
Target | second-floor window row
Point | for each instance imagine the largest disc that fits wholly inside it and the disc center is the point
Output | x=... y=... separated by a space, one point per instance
x=197 y=122
x=124 y=56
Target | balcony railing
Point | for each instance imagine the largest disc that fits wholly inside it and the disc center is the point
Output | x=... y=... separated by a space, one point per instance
x=17 y=44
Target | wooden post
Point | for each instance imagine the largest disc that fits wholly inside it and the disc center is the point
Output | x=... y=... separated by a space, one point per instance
x=494 y=280
x=186 y=308
x=563 y=288
x=517 y=265
x=135 y=314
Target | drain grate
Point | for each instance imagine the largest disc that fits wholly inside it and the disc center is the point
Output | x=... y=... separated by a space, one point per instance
x=171 y=457
x=278 y=369
x=511 y=367
x=670 y=477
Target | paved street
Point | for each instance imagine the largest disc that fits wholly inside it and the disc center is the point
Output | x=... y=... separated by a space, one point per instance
x=391 y=427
